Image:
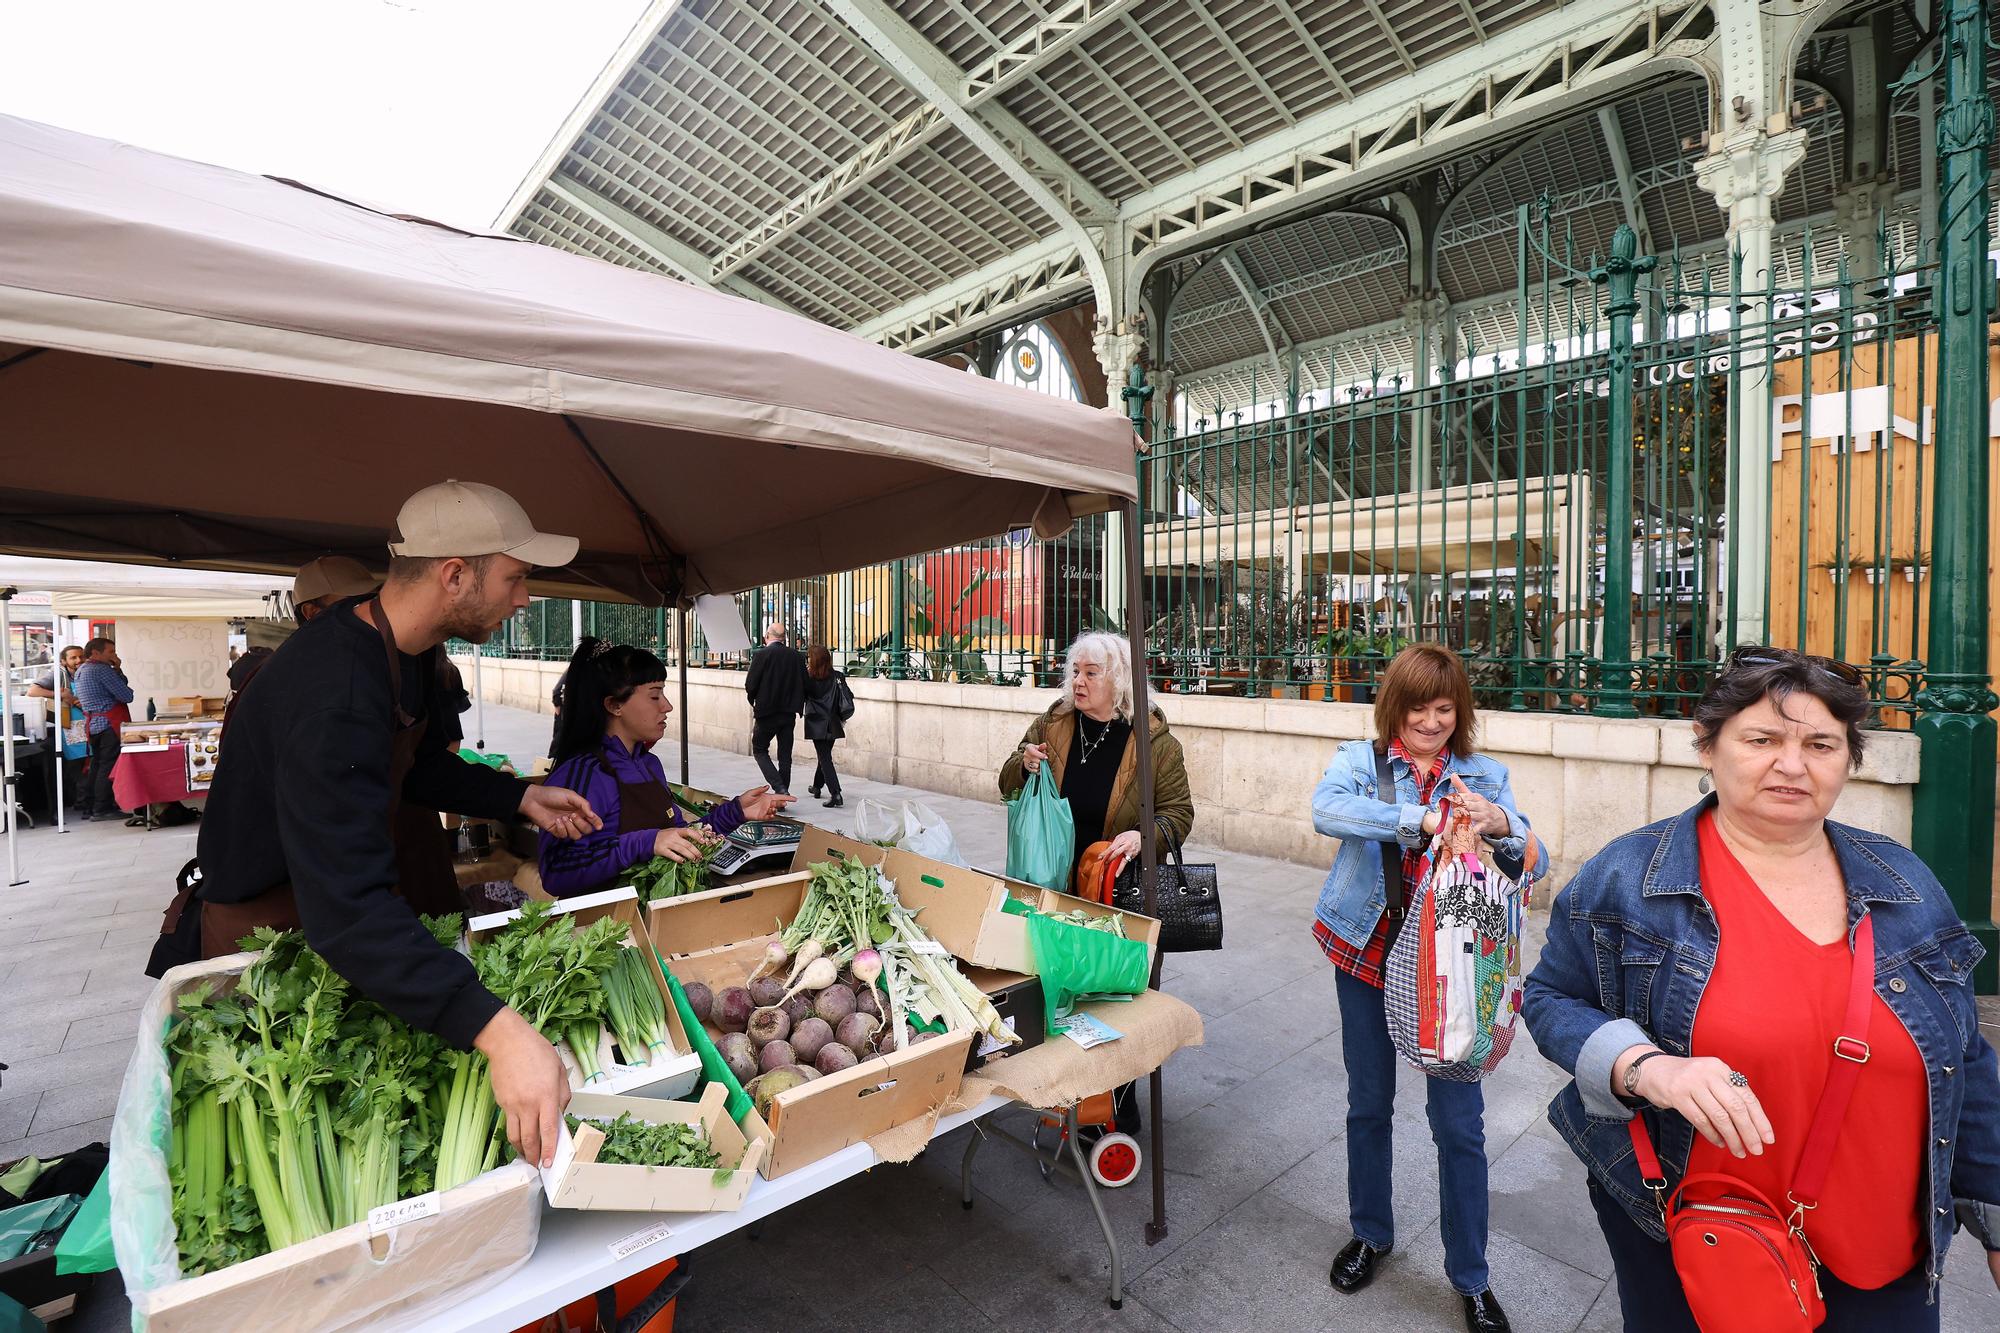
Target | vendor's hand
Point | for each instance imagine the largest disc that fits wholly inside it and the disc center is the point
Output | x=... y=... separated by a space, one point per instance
x=1488 y=818
x=1993 y=1264
x=1726 y=1115
x=529 y=1084
x=1433 y=821
x=686 y=843
x=763 y=803
x=1032 y=757
x=558 y=811
x=69 y=700
x=1123 y=848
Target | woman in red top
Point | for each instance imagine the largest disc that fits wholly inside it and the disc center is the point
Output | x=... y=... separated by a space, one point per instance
x=1701 y=970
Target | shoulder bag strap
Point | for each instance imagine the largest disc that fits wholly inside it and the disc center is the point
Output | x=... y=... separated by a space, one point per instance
x=1397 y=889
x=1850 y=1052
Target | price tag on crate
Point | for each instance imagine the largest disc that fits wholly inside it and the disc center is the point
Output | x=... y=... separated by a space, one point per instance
x=392 y=1215
x=639 y=1240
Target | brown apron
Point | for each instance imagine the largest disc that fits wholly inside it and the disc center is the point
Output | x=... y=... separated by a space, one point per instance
x=425 y=878
x=641 y=805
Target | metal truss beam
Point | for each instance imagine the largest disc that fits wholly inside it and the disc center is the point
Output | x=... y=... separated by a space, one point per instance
x=1328 y=275
x=678 y=259
x=1570 y=58
x=970 y=91
x=1015 y=284
x=1550 y=64
x=1628 y=185
x=1267 y=323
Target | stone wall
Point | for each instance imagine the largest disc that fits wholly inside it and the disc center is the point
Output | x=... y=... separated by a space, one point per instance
x=1253 y=762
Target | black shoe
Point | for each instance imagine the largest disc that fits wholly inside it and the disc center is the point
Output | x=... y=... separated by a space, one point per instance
x=835 y=803
x=86 y=816
x=1484 y=1315
x=1354 y=1266
x=813 y=792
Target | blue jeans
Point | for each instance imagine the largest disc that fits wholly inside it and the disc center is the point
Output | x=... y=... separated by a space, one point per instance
x=1458 y=1127
x=1650 y=1295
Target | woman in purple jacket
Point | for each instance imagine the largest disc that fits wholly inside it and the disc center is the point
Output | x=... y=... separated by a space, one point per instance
x=614 y=712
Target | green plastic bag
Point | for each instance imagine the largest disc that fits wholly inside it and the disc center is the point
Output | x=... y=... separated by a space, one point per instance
x=27 y=1226
x=14 y=1317
x=1077 y=964
x=1041 y=833
x=86 y=1246
x=714 y=1069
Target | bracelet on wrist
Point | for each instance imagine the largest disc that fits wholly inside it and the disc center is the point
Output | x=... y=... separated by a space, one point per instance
x=1631 y=1080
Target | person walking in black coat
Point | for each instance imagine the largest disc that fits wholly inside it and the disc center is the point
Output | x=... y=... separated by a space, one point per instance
x=829 y=703
x=776 y=687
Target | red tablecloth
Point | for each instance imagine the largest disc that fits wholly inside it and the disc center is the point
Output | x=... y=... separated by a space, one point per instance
x=152 y=777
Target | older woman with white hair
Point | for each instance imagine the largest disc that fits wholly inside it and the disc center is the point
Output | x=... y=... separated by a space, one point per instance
x=1088 y=736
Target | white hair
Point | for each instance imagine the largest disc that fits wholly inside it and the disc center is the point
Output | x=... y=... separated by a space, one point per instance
x=1111 y=653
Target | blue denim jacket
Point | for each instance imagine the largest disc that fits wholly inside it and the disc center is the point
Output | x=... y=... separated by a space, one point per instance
x=1630 y=947
x=1346 y=806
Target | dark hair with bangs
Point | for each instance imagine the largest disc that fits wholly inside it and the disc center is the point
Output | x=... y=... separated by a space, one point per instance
x=599 y=673
x=1756 y=673
x=1420 y=673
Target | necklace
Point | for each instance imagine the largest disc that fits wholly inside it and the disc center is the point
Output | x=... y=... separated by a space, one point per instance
x=1090 y=744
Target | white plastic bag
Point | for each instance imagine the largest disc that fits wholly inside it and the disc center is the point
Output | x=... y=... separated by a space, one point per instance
x=877 y=822
x=926 y=833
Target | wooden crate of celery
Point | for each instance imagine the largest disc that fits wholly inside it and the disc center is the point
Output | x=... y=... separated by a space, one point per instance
x=289 y=1142
x=629 y=1041
x=799 y=1016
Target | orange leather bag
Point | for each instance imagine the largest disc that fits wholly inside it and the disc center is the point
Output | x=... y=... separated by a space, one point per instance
x=1095 y=873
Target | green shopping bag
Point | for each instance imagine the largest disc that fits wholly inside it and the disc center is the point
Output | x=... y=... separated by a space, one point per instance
x=1076 y=963
x=1041 y=834
x=86 y=1246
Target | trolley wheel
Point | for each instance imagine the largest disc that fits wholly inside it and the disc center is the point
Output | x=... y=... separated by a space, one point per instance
x=1115 y=1159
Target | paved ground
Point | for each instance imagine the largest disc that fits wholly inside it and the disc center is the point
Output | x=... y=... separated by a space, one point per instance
x=1256 y=1182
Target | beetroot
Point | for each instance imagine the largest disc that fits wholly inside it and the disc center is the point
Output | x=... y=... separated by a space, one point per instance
x=700 y=999
x=775 y=1055
x=739 y=1055
x=834 y=1003
x=833 y=1057
x=765 y=1089
x=846 y=977
x=766 y=991
x=807 y=1071
x=855 y=1031
x=866 y=1001
x=917 y=1037
x=732 y=1009
x=799 y=1008
x=766 y=1025
x=809 y=1036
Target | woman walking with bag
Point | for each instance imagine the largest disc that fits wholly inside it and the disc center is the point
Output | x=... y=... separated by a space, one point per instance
x=1381 y=799
x=1770 y=1021
x=829 y=704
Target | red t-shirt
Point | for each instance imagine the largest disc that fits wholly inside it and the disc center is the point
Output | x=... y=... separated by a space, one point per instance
x=1772 y=1009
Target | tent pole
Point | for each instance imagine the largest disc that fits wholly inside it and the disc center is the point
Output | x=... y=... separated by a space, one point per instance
x=1149 y=852
x=681 y=651
x=61 y=715
x=12 y=778
x=478 y=704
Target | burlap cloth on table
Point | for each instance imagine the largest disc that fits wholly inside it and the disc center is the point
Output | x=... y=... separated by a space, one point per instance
x=1059 y=1072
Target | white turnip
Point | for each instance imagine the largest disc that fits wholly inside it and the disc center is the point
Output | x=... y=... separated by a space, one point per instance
x=774 y=960
x=817 y=975
x=867 y=966
x=802 y=961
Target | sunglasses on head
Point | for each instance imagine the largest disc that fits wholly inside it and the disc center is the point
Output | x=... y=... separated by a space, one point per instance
x=1759 y=656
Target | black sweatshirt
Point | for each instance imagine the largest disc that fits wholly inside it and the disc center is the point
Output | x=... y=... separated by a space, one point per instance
x=301 y=792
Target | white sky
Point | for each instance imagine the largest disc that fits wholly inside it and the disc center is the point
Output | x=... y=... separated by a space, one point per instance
x=431 y=107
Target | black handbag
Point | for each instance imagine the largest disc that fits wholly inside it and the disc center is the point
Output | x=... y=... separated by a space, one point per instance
x=1188 y=901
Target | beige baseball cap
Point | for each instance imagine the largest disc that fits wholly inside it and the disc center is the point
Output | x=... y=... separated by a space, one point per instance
x=466 y=519
x=332 y=576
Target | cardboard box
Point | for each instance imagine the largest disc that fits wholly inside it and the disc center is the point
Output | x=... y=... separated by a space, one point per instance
x=672 y=1073
x=357 y=1277
x=961 y=908
x=718 y=938
x=578 y=1180
x=1022 y=1007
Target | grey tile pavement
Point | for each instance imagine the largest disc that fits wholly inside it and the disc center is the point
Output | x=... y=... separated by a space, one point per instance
x=1256 y=1168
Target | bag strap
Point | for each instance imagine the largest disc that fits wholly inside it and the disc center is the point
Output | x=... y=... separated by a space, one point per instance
x=1394 y=885
x=1850 y=1052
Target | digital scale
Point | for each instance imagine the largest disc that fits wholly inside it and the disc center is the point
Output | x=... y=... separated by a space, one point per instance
x=756 y=840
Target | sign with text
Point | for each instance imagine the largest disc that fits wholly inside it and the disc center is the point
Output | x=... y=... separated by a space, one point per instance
x=164 y=658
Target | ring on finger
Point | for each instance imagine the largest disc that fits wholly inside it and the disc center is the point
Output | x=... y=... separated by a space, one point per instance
x=1738 y=1079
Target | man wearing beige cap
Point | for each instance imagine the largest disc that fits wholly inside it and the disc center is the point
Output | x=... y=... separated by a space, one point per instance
x=338 y=733
x=322 y=582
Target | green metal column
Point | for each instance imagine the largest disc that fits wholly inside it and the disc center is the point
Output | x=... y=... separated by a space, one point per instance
x=1620 y=275
x=1952 y=819
x=899 y=624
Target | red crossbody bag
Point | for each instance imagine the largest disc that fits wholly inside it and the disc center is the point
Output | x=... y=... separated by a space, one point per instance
x=1744 y=1263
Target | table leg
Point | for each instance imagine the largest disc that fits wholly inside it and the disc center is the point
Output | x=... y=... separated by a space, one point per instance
x=965 y=1172
x=1096 y=1206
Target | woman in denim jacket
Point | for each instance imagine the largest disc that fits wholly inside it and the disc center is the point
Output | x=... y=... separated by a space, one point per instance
x=1425 y=725
x=1698 y=970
